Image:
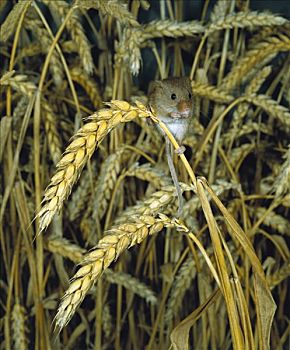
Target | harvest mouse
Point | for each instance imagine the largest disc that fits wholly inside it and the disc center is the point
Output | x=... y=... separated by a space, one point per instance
x=172 y=102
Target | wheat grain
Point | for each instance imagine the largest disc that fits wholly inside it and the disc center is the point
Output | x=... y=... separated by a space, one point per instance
x=106 y=182
x=88 y=84
x=107 y=322
x=19 y=326
x=107 y=250
x=132 y=284
x=110 y=7
x=210 y=92
x=282 y=183
x=11 y=21
x=279 y=276
x=180 y=285
x=77 y=33
x=156 y=203
x=272 y=107
x=129 y=47
x=260 y=53
x=65 y=248
x=81 y=196
x=80 y=150
x=154 y=176
x=246 y=19
x=53 y=138
x=243 y=108
x=19 y=83
x=273 y=220
x=41 y=34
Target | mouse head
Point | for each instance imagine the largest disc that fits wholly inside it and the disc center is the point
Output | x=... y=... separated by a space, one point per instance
x=171 y=97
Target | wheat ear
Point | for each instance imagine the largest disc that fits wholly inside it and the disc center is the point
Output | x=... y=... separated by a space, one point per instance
x=80 y=150
x=109 y=248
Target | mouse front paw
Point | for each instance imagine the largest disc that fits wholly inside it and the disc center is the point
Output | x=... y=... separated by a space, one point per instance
x=180 y=150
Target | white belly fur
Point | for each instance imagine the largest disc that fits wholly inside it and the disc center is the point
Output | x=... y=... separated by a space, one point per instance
x=177 y=127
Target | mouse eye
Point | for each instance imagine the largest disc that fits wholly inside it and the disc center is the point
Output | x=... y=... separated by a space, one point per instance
x=189 y=96
x=173 y=97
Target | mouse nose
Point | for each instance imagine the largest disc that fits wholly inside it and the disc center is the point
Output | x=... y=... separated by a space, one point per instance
x=183 y=106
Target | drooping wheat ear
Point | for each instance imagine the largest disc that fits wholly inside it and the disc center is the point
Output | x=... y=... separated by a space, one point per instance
x=132 y=284
x=270 y=106
x=81 y=196
x=219 y=10
x=110 y=170
x=260 y=53
x=76 y=30
x=219 y=188
x=65 y=248
x=154 y=176
x=246 y=20
x=286 y=84
x=280 y=275
x=210 y=92
x=11 y=21
x=89 y=85
x=110 y=7
x=156 y=203
x=135 y=38
x=53 y=138
x=282 y=182
x=107 y=322
x=19 y=83
x=273 y=220
x=75 y=253
x=171 y=29
x=180 y=285
x=247 y=129
x=18 y=114
x=80 y=150
x=19 y=327
x=243 y=107
x=238 y=154
x=118 y=239
x=43 y=37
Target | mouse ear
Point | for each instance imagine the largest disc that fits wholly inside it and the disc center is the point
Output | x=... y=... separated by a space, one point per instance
x=154 y=85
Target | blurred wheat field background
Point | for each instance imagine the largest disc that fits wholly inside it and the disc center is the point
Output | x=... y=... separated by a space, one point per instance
x=84 y=177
